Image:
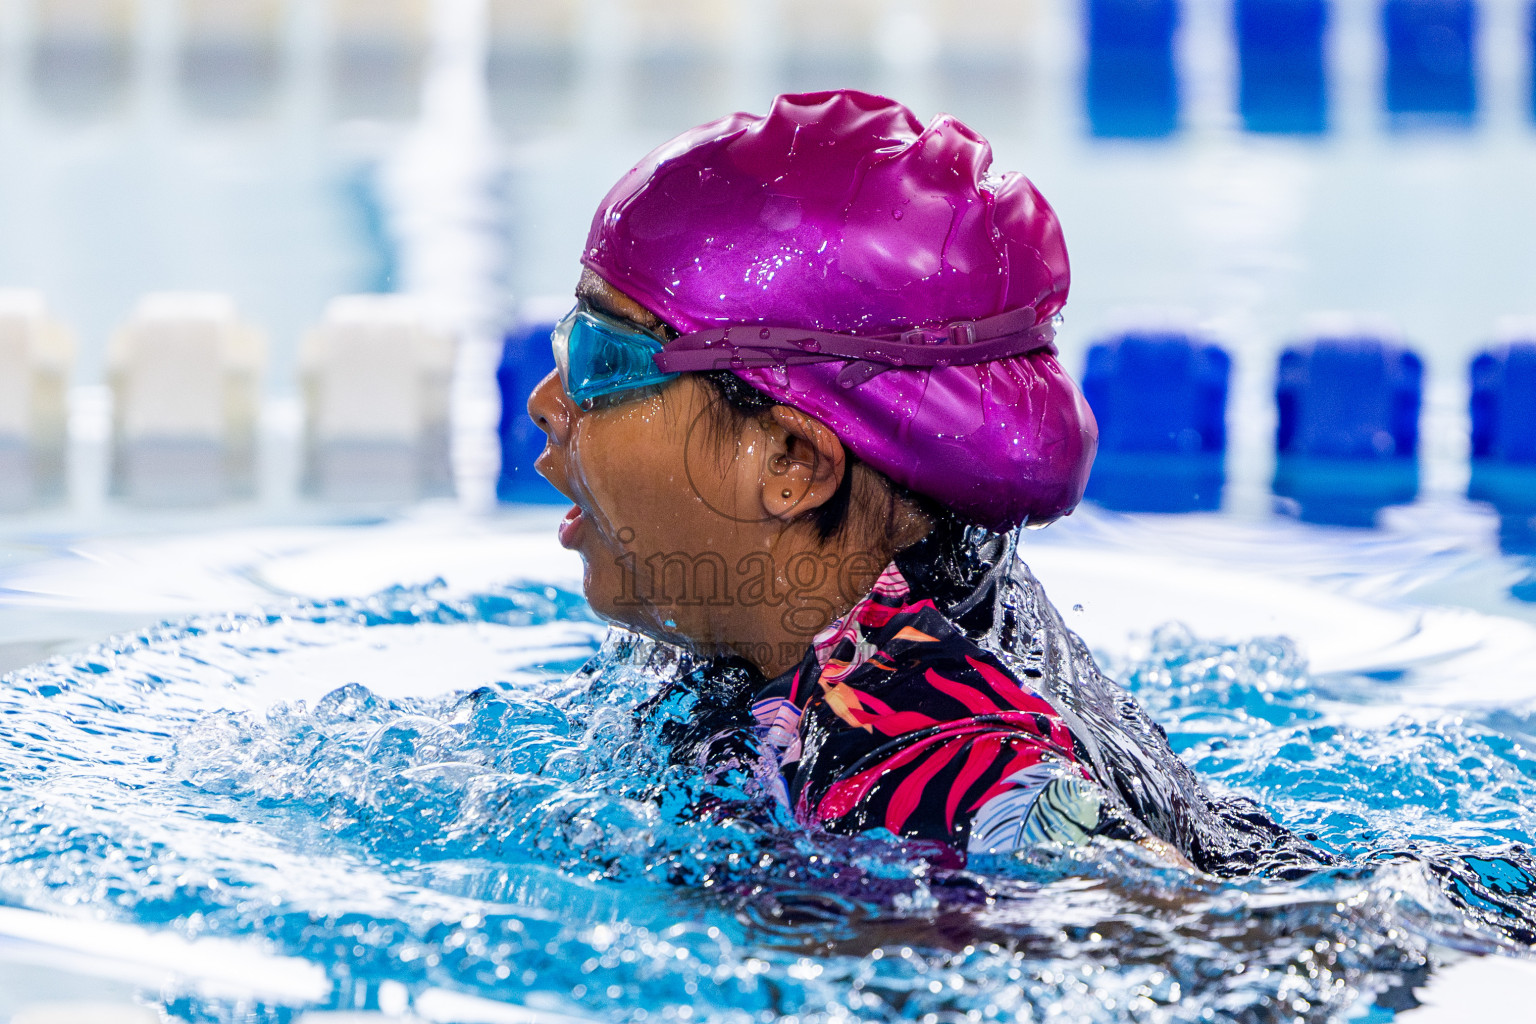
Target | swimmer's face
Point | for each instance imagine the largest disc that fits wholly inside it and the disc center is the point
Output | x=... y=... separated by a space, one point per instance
x=666 y=504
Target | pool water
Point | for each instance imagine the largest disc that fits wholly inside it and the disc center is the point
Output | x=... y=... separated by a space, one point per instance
x=432 y=798
x=325 y=782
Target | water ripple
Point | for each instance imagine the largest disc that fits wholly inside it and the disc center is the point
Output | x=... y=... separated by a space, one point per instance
x=523 y=842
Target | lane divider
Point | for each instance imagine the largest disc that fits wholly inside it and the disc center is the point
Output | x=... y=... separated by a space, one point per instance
x=186 y=373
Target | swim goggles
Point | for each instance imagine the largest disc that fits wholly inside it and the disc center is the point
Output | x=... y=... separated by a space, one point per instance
x=599 y=357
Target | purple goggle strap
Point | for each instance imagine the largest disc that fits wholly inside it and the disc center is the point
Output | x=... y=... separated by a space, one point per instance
x=962 y=343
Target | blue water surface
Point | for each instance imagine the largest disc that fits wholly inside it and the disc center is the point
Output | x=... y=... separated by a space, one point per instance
x=525 y=843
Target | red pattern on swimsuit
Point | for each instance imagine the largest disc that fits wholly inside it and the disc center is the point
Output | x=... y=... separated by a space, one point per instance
x=897 y=720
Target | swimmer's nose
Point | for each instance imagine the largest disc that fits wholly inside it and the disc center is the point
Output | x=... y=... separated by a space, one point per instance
x=551 y=409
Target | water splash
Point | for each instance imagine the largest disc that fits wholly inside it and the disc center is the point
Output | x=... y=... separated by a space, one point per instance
x=527 y=842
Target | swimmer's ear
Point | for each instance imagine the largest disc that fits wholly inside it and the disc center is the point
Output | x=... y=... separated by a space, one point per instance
x=804 y=463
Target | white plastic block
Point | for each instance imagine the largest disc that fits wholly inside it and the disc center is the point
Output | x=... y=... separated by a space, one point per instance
x=532 y=62
x=683 y=25
x=377 y=56
x=85 y=19
x=245 y=21
x=400 y=22
x=376 y=376
x=82 y=55
x=972 y=26
x=15 y=380
x=36 y=355
x=524 y=24
x=821 y=26
x=231 y=55
x=185 y=374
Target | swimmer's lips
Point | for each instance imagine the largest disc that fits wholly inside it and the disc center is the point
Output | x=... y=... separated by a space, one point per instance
x=570 y=527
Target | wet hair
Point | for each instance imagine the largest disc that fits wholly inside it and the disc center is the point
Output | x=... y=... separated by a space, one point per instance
x=740 y=401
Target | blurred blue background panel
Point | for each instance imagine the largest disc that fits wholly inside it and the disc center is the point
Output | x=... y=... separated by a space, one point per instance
x=1131 y=83
x=526 y=359
x=1530 y=25
x=1282 y=85
x=1431 y=59
x=1504 y=404
x=1161 y=402
x=82 y=67
x=1348 y=434
x=1503 y=408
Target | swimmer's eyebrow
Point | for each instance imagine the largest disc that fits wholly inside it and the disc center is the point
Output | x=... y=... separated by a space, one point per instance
x=594 y=297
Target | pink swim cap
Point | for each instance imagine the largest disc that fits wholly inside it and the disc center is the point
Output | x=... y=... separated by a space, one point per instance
x=838 y=212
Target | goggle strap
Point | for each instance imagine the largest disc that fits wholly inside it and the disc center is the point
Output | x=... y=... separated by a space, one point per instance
x=962 y=343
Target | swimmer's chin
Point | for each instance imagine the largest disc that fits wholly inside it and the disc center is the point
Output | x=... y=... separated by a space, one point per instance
x=646 y=621
x=637 y=617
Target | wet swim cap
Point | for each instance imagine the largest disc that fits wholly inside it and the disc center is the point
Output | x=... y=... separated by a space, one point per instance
x=839 y=213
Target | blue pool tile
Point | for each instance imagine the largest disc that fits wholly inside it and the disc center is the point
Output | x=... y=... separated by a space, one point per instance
x=1282 y=81
x=1504 y=440
x=1347 y=439
x=1161 y=401
x=1431 y=59
x=526 y=359
x=1131 y=84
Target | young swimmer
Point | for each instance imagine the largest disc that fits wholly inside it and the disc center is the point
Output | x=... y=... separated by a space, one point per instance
x=806 y=400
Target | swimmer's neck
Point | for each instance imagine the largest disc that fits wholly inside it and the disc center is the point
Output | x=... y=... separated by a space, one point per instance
x=780 y=615
x=786 y=595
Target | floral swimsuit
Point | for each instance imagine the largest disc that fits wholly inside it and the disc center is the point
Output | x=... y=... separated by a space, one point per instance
x=896 y=719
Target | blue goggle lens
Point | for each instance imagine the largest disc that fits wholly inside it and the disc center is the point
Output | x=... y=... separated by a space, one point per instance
x=598 y=357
